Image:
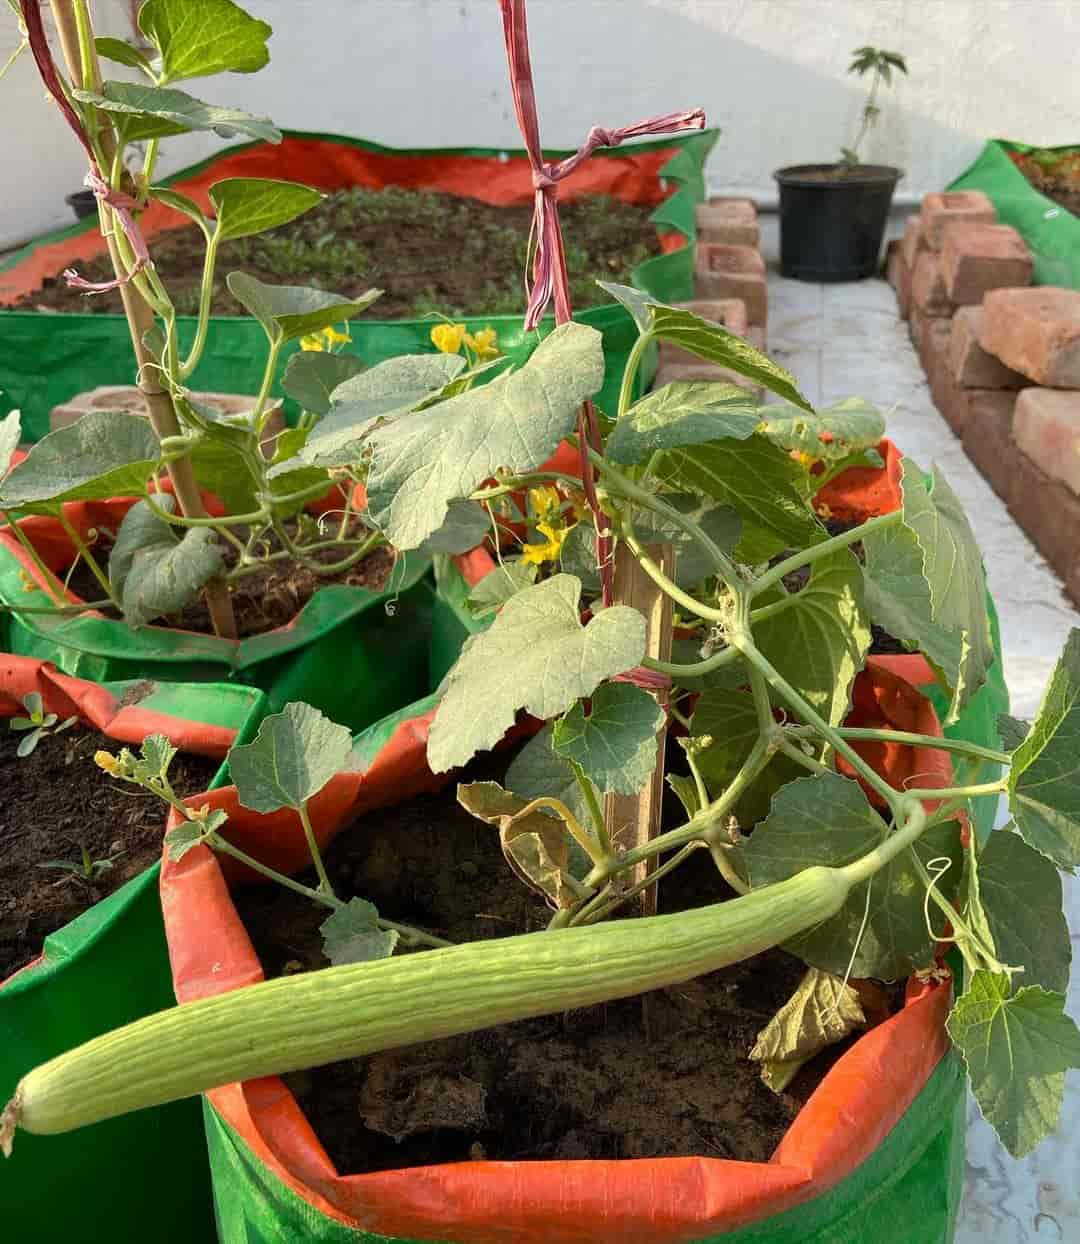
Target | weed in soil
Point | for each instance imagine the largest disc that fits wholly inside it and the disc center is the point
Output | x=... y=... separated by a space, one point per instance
x=56 y=805
x=431 y=253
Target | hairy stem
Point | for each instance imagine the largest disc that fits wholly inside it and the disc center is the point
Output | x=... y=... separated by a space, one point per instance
x=806 y=556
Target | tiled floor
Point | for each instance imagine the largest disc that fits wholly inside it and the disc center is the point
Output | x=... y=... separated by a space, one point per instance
x=847 y=340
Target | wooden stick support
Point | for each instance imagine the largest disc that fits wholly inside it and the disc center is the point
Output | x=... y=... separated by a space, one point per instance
x=634 y=819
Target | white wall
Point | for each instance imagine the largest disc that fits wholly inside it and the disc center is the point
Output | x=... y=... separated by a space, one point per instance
x=770 y=73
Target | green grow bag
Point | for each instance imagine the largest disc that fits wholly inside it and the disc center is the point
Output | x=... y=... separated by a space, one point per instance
x=142 y=1176
x=1051 y=231
x=46 y=359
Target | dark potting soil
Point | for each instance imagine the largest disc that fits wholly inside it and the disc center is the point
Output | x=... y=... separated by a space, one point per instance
x=1059 y=181
x=585 y=1084
x=430 y=253
x=268 y=597
x=56 y=802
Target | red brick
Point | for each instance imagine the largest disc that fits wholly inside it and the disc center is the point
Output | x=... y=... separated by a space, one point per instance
x=899 y=277
x=1046 y=426
x=969 y=364
x=978 y=258
x=947 y=395
x=938 y=210
x=730 y=221
x=732 y=272
x=702 y=370
x=730 y=313
x=1035 y=331
x=928 y=288
x=128 y=399
x=913 y=241
x=988 y=440
x=1050 y=514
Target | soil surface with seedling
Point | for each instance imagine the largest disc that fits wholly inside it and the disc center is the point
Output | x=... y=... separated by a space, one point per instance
x=56 y=802
x=431 y=253
x=585 y=1084
x=274 y=592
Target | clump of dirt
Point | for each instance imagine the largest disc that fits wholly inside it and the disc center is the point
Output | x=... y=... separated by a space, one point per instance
x=430 y=252
x=587 y=1084
x=56 y=803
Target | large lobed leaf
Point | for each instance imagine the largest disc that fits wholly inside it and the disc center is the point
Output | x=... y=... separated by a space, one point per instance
x=616 y=742
x=536 y=656
x=422 y=461
x=1044 y=780
x=294 y=755
x=311 y=377
x=290 y=311
x=830 y=434
x=828 y=820
x=683 y=413
x=1017 y=1047
x=199 y=39
x=104 y=454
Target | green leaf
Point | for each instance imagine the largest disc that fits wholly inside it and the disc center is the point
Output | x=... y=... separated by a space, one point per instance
x=156 y=754
x=509 y=577
x=828 y=820
x=616 y=743
x=122 y=53
x=180 y=203
x=820 y=639
x=828 y=435
x=1021 y=897
x=10 y=431
x=536 y=655
x=249 y=205
x=1011 y=731
x=1044 y=780
x=683 y=413
x=708 y=341
x=423 y=461
x=104 y=454
x=312 y=376
x=898 y=599
x=391 y=388
x=183 y=838
x=538 y=770
x=159 y=112
x=352 y=934
x=28 y=742
x=1017 y=1048
x=290 y=311
x=156 y=572
x=466 y=525
x=756 y=478
x=821 y=1011
x=686 y=791
x=720 y=523
x=294 y=755
x=535 y=844
x=208 y=37
x=221 y=468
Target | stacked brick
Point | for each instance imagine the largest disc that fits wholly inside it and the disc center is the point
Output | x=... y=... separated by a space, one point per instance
x=1002 y=359
x=729 y=284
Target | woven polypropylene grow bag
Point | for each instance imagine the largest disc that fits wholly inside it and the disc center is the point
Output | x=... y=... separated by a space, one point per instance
x=875 y=1154
x=1050 y=230
x=45 y=359
x=381 y=638
x=106 y=968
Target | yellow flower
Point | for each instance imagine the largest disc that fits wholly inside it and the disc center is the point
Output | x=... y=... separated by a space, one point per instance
x=108 y=762
x=484 y=343
x=803 y=458
x=550 y=550
x=448 y=337
x=545 y=502
x=324 y=340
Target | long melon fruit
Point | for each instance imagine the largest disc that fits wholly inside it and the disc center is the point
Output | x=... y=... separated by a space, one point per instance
x=345 y=1012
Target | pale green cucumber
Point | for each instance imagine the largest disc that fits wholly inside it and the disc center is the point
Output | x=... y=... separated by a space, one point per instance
x=345 y=1012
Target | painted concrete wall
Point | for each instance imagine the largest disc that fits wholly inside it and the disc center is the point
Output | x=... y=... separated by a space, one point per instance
x=770 y=73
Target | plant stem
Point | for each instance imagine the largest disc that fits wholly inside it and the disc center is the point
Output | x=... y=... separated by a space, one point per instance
x=225 y=520
x=593 y=804
x=630 y=371
x=960 y=792
x=696 y=669
x=88 y=557
x=602 y=860
x=624 y=896
x=899 y=840
x=206 y=293
x=915 y=740
x=48 y=578
x=316 y=855
x=722 y=860
x=805 y=556
x=260 y=415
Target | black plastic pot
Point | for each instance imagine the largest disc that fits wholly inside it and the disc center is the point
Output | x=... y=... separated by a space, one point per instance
x=832 y=219
x=82 y=203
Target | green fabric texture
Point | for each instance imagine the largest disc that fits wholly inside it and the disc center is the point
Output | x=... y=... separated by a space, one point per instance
x=381 y=637
x=1051 y=232
x=109 y=967
x=906 y=1192
x=45 y=359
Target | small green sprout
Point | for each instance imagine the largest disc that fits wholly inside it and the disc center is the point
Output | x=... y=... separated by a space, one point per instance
x=85 y=869
x=38 y=722
x=880 y=64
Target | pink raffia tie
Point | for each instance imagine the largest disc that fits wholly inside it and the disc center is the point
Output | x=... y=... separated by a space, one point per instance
x=550 y=282
x=122 y=204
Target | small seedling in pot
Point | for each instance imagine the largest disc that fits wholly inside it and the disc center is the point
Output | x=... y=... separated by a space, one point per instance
x=85 y=869
x=37 y=722
x=880 y=64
